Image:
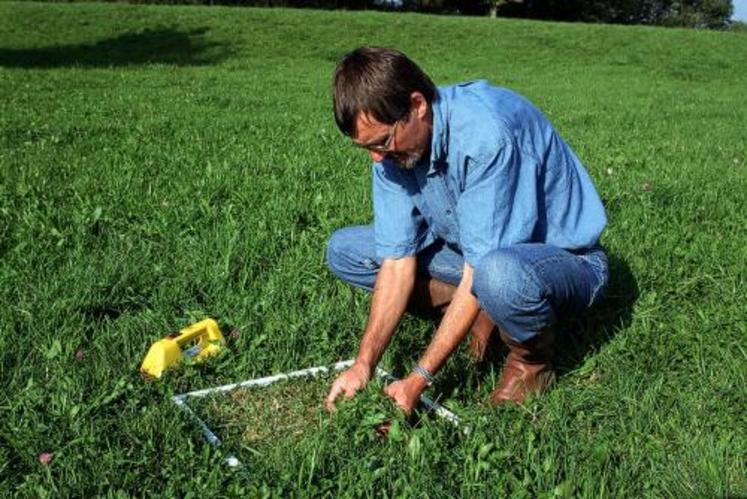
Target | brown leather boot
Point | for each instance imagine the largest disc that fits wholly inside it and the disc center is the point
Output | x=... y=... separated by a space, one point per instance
x=484 y=345
x=528 y=368
x=430 y=299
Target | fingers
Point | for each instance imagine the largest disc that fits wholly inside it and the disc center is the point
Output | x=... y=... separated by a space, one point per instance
x=340 y=386
x=392 y=394
x=396 y=392
x=392 y=389
x=348 y=384
x=334 y=392
x=349 y=392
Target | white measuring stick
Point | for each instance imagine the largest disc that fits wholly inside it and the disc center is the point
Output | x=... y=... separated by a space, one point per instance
x=231 y=460
x=268 y=380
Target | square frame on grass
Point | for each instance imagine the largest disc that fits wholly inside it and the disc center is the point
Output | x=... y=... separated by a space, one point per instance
x=231 y=460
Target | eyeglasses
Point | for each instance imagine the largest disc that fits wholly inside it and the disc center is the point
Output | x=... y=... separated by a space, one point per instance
x=386 y=146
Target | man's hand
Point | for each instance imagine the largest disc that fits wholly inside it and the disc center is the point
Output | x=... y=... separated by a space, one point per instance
x=349 y=382
x=394 y=284
x=406 y=392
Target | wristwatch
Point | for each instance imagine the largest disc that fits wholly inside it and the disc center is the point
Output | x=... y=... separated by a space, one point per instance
x=423 y=372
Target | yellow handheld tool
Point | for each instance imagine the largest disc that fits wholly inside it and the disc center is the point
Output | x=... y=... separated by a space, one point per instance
x=205 y=338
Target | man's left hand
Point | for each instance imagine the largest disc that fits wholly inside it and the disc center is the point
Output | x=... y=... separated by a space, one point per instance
x=406 y=392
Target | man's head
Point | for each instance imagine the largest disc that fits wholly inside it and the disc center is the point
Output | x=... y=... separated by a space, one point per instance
x=382 y=101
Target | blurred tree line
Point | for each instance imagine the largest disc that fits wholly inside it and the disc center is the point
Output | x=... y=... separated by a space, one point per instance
x=714 y=14
x=691 y=13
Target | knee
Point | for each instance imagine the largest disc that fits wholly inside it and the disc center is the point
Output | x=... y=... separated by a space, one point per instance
x=506 y=283
x=351 y=256
x=338 y=247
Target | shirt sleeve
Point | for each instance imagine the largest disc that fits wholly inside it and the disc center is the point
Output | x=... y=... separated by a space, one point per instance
x=399 y=227
x=498 y=206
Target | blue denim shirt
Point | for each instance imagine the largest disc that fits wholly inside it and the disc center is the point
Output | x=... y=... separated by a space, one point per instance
x=498 y=175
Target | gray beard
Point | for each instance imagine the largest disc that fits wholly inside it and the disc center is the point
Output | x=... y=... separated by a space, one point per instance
x=411 y=161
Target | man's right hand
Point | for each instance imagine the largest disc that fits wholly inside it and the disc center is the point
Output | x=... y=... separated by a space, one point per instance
x=348 y=383
x=392 y=290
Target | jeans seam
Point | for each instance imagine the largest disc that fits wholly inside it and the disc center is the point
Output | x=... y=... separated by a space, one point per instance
x=599 y=272
x=594 y=294
x=540 y=283
x=597 y=289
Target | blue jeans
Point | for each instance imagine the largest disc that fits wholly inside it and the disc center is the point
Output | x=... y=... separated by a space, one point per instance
x=523 y=288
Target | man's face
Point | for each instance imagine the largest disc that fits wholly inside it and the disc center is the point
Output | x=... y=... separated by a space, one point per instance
x=405 y=142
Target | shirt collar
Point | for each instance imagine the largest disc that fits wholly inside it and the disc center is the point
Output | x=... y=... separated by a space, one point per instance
x=439 y=108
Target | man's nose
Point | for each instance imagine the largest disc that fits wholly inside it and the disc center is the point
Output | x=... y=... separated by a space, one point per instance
x=377 y=156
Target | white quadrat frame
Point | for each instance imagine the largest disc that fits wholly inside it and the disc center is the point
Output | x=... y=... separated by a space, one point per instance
x=232 y=461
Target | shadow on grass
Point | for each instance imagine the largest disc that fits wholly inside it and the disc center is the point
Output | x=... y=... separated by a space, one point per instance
x=151 y=46
x=578 y=337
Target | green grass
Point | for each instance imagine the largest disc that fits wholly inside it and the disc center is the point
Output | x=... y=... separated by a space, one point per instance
x=263 y=423
x=162 y=164
x=258 y=418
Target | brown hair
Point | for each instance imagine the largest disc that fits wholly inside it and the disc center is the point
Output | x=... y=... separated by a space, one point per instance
x=378 y=81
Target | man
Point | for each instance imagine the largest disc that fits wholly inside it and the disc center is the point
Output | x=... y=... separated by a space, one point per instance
x=481 y=210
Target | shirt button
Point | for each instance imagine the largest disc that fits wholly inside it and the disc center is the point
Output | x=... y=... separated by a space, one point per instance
x=448 y=212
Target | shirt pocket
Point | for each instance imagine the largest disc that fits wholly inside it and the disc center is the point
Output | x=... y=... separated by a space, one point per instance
x=445 y=202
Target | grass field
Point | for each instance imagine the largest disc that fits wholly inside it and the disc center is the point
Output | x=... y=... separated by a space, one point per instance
x=163 y=164
x=261 y=418
x=275 y=419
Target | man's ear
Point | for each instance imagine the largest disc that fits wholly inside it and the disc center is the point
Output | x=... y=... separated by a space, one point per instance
x=419 y=104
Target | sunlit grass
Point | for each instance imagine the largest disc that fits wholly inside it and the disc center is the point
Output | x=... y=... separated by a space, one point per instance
x=163 y=164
